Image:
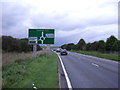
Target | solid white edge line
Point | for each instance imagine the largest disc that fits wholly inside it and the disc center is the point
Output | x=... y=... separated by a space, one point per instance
x=59 y=80
x=66 y=75
x=58 y=74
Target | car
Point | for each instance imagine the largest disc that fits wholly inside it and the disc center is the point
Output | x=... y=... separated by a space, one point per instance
x=54 y=49
x=63 y=52
x=58 y=50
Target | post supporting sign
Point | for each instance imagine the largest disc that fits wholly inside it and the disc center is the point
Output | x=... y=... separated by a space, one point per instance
x=34 y=50
x=40 y=36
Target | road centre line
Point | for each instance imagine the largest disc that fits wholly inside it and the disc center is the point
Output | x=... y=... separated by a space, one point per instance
x=66 y=75
x=95 y=64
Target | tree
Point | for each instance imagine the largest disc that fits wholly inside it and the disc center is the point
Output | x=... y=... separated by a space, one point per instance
x=69 y=46
x=64 y=46
x=110 y=42
x=24 y=46
x=88 y=46
x=101 y=46
x=116 y=46
x=94 y=46
x=81 y=44
x=11 y=44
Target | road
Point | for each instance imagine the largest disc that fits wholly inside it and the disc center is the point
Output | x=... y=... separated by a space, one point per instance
x=90 y=72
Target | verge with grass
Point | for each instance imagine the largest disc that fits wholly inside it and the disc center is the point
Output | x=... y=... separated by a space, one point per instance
x=99 y=54
x=40 y=71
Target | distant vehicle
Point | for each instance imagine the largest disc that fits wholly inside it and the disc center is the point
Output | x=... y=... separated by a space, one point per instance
x=58 y=50
x=63 y=52
x=54 y=49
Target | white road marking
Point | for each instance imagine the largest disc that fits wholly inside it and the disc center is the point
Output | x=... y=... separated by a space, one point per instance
x=95 y=64
x=59 y=76
x=59 y=80
x=33 y=84
x=66 y=75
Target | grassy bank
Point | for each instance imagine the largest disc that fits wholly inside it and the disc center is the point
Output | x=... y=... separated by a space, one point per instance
x=99 y=54
x=9 y=57
x=41 y=71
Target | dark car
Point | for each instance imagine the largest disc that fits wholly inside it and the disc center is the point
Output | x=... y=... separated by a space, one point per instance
x=63 y=52
x=54 y=49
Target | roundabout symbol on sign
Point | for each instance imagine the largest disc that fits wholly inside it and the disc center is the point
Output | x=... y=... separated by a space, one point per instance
x=42 y=38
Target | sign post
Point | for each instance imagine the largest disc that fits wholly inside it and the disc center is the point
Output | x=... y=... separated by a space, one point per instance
x=40 y=36
x=34 y=50
x=48 y=50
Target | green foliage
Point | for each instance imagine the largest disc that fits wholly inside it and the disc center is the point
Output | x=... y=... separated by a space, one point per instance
x=41 y=71
x=93 y=46
x=14 y=72
x=99 y=54
x=69 y=46
x=116 y=46
x=88 y=45
x=64 y=46
x=101 y=46
x=110 y=42
x=11 y=44
x=81 y=45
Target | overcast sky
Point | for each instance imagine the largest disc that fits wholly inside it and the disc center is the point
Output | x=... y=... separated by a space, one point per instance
x=72 y=19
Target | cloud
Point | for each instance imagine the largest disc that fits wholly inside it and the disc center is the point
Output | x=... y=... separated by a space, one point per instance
x=71 y=19
x=100 y=32
x=13 y=18
x=12 y=15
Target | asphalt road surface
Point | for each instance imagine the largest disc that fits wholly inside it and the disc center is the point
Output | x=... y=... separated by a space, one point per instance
x=90 y=72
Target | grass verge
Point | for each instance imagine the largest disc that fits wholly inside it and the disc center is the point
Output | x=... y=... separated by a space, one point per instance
x=9 y=57
x=99 y=54
x=41 y=71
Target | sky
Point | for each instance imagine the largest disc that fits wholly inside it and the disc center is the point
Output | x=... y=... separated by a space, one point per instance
x=72 y=20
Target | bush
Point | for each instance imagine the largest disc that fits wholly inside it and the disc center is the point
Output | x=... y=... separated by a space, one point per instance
x=111 y=44
x=10 y=44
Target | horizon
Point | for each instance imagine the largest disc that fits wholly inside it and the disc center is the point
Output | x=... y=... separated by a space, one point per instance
x=68 y=42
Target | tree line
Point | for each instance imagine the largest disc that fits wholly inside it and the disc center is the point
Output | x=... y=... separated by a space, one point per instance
x=10 y=44
x=112 y=44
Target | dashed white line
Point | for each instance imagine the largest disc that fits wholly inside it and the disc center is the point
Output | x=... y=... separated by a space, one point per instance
x=95 y=64
x=66 y=75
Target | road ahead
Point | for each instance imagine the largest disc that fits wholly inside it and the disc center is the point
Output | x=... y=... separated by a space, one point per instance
x=90 y=72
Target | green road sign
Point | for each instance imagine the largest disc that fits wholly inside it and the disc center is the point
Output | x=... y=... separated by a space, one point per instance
x=41 y=36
